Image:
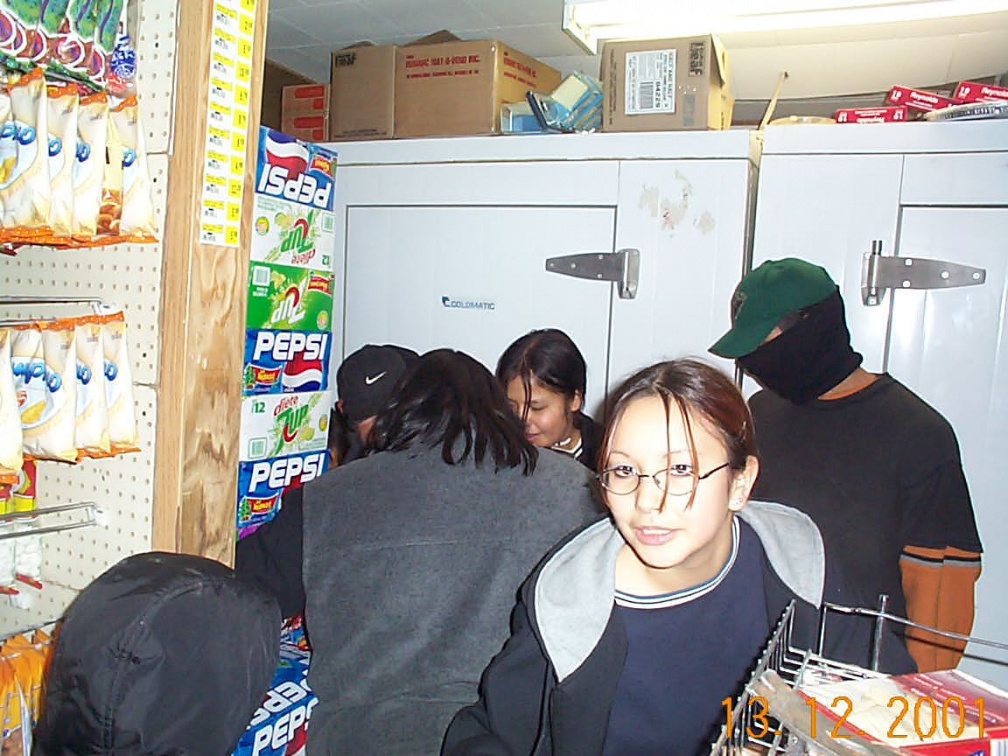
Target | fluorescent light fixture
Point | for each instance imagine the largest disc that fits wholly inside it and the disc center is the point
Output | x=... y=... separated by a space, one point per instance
x=591 y=21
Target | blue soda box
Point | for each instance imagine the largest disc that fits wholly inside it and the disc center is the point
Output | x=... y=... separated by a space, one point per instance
x=261 y=483
x=285 y=361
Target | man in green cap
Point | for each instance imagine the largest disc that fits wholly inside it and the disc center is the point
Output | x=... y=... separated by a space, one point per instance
x=876 y=467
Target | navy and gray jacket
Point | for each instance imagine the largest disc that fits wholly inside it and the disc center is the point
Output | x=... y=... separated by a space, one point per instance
x=550 y=689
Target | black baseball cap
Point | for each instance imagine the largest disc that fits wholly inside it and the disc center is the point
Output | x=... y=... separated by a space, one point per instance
x=366 y=378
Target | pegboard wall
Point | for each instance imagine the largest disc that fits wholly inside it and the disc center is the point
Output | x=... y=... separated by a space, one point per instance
x=128 y=275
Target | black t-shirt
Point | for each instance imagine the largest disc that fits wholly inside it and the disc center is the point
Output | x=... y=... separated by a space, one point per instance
x=876 y=471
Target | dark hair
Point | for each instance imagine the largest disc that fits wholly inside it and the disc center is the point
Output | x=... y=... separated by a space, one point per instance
x=339 y=436
x=549 y=356
x=447 y=396
x=696 y=388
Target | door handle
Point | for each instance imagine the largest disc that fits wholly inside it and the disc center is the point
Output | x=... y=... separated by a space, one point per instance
x=621 y=267
x=879 y=273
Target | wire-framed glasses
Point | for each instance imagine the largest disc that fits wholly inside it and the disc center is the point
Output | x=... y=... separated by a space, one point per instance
x=676 y=479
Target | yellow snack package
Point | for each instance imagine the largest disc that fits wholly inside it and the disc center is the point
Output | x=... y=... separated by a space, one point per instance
x=89 y=167
x=61 y=102
x=28 y=366
x=110 y=212
x=49 y=434
x=10 y=415
x=10 y=711
x=137 y=222
x=119 y=385
x=6 y=550
x=19 y=703
x=91 y=436
x=25 y=193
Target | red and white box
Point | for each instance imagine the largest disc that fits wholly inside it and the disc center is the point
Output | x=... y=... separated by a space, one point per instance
x=918 y=99
x=947 y=713
x=892 y=114
x=305 y=99
x=971 y=91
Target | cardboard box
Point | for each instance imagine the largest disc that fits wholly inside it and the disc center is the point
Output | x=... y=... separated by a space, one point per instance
x=305 y=99
x=918 y=99
x=971 y=91
x=308 y=128
x=362 y=92
x=666 y=85
x=892 y=114
x=457 y=88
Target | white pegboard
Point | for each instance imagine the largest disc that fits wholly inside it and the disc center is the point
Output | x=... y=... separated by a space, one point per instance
x=154 y=37
x=129 y=275
x=126 y=274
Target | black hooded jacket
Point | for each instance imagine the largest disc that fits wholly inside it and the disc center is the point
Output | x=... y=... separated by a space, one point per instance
x=163 y=654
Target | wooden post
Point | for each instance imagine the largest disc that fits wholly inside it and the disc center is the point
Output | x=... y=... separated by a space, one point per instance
x=202 y=317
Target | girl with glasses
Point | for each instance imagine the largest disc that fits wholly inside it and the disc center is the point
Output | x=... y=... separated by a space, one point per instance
x=631 y=633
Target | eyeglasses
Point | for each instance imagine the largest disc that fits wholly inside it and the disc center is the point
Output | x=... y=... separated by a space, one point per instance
x=676 y=480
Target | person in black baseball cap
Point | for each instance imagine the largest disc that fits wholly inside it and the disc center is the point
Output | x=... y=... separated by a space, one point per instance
x=365 y=382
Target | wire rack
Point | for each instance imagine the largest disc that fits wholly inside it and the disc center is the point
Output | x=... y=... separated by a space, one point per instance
x=770 y=716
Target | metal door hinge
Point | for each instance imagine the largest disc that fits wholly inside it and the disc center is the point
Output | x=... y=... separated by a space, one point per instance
x=621 y=267
x=879 y=273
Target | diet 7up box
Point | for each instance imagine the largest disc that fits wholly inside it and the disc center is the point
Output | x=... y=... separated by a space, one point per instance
x=284 y=298
x=287 y=233
x=278 y=425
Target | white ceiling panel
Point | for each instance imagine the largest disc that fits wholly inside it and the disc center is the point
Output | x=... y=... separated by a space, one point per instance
x=521 y=13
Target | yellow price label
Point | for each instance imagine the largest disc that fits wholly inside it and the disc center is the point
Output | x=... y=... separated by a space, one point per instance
x=237 y=165
x=240 y=119
x=225 y=11
x=233 y=212
x=231 y=237
x=238 y=143
x=248 y=5
x=244 y=48
x=235 y=188
x=241 y=96
x=243 y=72
x=247 y=25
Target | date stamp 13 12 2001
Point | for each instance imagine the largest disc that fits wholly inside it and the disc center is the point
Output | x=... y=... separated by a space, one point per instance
x=947 y=713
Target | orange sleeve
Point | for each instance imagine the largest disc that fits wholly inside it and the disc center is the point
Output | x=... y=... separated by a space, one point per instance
x=938 y=585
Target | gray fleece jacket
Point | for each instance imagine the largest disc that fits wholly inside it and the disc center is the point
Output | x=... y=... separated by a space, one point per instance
x=411 y=568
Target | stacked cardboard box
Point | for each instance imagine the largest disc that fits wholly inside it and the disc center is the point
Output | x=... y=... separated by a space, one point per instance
x=666 y=85
x=305 y=112
x=436 y=86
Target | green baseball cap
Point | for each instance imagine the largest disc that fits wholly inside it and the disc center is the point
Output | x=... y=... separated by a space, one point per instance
x=768 y=293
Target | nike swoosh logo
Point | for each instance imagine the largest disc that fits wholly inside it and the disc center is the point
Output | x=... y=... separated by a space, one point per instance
x=369 y=379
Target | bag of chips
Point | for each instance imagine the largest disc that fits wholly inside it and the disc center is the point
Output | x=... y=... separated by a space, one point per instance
x=62 y=104
x=49 y=432
x=137 y=222
x=89 y=167
x=110 y=212
x=25 y=194
x=119 y=385
x=10 y=415
x=91 y=436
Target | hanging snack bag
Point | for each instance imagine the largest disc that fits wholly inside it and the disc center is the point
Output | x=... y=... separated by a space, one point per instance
x=27 y=547
x=10 y=708
x=8 y=143
x=119 y=386
x=25 y=193
x=10 y=416
x=137 y=207
x=28 y=366
x=89 y=167
x=20 y=17
x=109 y=18
x=91 y=436
x=110 y=212
x=62 y=116
x=6 y=553
x=75 y=38
x=50 y=434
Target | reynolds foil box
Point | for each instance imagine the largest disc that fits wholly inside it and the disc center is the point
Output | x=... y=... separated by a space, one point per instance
x=285 y=362
x=262 y=483
x=284 y=298
x=278 y=725
x=918 y=99
x=894 y=114
x=971 y=91
x=287 y=233
x=278 y=425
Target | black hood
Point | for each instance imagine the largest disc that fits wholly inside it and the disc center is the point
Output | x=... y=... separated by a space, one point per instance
x=162 y=654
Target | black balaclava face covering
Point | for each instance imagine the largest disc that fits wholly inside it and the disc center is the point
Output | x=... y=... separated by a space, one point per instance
x=808 y=359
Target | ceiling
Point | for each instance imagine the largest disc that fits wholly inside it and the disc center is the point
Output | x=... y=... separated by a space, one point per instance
x=820 y=63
